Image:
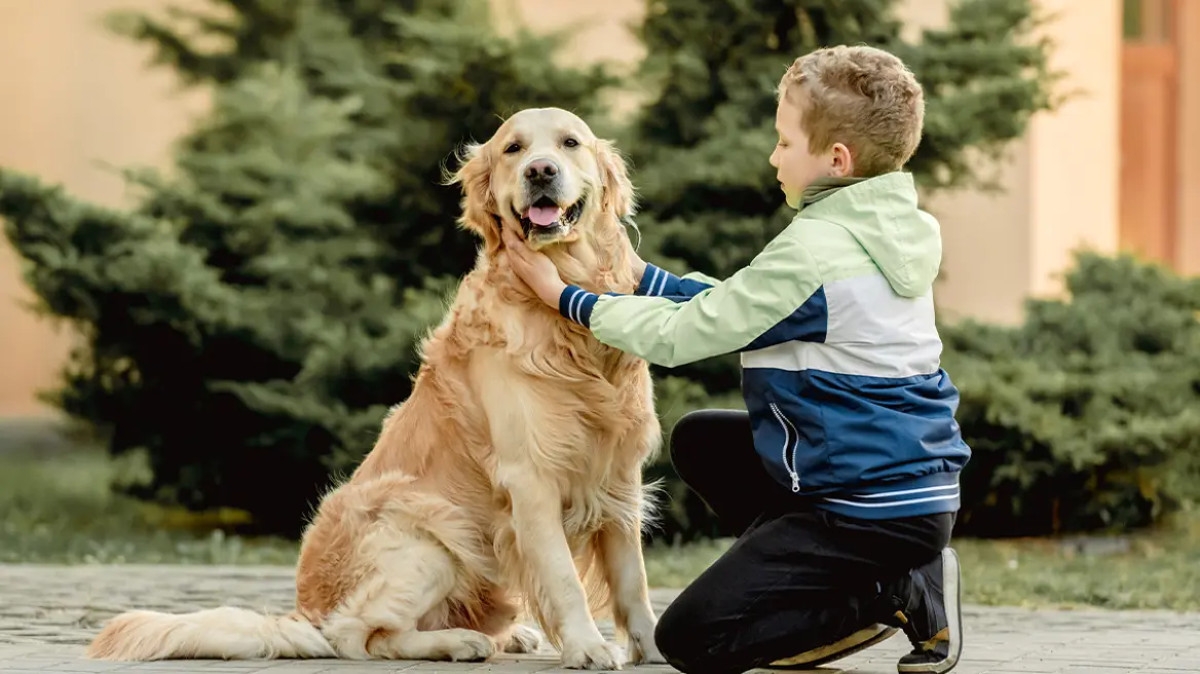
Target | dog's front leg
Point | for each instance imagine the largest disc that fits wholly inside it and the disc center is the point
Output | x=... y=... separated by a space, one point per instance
x=625 y=570
x=537 y=523
x=526 y=445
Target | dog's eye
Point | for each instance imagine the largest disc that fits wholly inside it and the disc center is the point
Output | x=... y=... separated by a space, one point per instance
x=514 y=147
x=570 y=142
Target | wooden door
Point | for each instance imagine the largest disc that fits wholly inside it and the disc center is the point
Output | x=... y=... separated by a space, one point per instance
x=1149 y=130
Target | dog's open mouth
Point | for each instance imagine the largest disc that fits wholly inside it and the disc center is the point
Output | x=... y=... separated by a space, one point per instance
x=545 y=218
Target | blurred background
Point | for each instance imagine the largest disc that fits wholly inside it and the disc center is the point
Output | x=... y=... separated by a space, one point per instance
x=225 y=235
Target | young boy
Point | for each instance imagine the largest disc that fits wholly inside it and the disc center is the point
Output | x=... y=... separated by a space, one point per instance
x=842 y=476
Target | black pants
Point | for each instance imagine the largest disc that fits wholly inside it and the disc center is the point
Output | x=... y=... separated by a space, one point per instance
x=796 y=578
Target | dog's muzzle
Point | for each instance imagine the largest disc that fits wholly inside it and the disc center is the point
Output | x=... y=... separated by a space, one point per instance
x=548 y=214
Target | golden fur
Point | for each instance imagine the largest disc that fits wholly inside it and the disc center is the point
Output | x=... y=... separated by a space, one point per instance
x=511 y=478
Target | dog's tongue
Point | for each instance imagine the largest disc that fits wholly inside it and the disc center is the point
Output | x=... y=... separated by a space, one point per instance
x=544 y=216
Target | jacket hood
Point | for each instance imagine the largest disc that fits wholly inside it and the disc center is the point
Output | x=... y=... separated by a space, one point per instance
x=882 y=214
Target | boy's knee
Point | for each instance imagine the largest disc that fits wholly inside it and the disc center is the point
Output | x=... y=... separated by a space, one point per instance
x=692 y=436
x=672 y=640
x=685 y=428
x=682 y=638
x=685 y=434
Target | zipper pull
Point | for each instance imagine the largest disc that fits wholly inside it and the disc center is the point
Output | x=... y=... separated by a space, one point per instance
x=795 y=483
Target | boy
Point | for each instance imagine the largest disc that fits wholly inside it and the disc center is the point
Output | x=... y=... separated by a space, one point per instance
x=842 y=476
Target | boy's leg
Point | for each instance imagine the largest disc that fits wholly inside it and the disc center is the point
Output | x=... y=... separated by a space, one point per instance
x=795 y=583
x=713 y=453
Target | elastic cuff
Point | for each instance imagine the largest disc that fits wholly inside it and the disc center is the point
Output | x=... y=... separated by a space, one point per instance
x=576 y=304
x=655 y=281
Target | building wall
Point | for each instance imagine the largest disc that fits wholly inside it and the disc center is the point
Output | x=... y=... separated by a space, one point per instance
x=77 y=102
x=597 y=31
x=1188 y=242
x=1074 y=177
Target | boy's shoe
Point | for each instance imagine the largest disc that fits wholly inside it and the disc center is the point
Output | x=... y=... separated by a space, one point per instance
x=864 y=638
x=933 y=621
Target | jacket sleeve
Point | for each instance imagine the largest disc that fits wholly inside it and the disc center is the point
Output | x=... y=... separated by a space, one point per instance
x=777 y=298
x=658 y=282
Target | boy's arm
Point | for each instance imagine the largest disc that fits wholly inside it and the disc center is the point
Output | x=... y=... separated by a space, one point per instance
x=777 y=298
x=658 y=282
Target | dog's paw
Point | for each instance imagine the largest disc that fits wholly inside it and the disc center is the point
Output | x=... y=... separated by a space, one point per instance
x=524 y=639
x=643 y=650
x=593 y=655
x=468 y=646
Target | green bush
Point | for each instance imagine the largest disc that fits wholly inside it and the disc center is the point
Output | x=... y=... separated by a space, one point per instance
x=1087 y=416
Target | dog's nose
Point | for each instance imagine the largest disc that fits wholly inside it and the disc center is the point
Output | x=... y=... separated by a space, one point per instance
x=541 y=172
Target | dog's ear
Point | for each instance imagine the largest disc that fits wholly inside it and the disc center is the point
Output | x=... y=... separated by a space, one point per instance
x=478 y=206
x=619 y=197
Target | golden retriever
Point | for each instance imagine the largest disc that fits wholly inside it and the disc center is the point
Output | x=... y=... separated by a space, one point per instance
x=511 y=478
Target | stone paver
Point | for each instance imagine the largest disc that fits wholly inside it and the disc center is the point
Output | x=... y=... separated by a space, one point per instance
x=48 y=614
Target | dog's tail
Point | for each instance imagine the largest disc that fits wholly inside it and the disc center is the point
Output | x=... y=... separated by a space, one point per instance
x=222 y=633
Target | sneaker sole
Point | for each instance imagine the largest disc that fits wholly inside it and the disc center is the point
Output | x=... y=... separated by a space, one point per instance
x=952 y=592
x=842 y=648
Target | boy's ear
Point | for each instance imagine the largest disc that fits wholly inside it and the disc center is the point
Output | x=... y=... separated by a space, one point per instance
x=843 y=161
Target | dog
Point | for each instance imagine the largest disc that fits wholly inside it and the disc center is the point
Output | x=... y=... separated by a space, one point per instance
x=510 y=479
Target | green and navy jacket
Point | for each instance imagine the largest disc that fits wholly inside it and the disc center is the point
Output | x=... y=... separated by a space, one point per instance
x=834 y=322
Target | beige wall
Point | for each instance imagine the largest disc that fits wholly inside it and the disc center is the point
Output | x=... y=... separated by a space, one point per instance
x=77 y=98
x=986 y=239
x=1189 y=138
x=1077 y=180
x=1060 y=184
x=596 y=31
x=1075 y=169
x=75 y=101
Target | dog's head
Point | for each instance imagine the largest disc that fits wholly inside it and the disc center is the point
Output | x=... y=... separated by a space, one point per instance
x=545 y=174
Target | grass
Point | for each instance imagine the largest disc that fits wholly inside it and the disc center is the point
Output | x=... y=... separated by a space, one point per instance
x=55 y=508
x=59 y=510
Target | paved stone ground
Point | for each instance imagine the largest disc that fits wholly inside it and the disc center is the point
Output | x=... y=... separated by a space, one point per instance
x=48 y=613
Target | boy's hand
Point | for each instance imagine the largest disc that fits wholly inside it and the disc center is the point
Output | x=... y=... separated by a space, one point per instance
x=534 y=268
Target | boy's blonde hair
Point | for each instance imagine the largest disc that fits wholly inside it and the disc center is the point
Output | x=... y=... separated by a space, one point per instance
x=862 y=97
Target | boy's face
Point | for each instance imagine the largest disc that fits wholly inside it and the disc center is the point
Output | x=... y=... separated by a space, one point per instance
x=795 y=166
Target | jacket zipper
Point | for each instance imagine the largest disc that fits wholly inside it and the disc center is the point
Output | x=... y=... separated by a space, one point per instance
x=795 y=436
